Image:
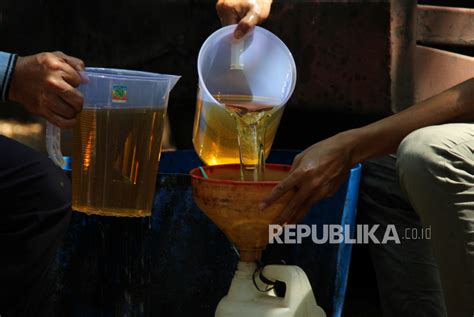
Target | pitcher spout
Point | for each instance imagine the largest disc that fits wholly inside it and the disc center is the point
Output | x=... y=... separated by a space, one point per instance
x=173 y=79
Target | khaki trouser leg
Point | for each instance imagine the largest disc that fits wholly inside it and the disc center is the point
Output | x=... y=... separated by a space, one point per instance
x=407 y=274
x=436 y=170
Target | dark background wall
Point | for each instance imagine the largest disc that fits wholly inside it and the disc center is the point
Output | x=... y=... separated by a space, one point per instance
x=341 y=51
x=159 y=36
x=165 y=36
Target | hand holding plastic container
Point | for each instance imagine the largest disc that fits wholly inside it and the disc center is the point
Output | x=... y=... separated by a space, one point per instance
x=247 y=82
x=116 y=141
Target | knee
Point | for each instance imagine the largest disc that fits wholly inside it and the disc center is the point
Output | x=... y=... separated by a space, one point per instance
x=421 y=155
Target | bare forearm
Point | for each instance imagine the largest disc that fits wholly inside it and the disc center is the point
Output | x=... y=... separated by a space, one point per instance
x=321 y=169
x=383 y=137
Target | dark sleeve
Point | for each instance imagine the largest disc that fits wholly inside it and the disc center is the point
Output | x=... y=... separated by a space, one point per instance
x=7 y=65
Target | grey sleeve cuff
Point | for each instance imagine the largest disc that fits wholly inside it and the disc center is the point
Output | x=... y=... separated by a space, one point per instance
x=7 y=66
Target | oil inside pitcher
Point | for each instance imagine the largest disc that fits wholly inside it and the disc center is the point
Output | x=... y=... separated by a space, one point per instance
x=117 y=141
x=243 y=87
x=240 y=132
x=119 y=179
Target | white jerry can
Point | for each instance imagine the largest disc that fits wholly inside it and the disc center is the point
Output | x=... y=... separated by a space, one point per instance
x=244 y=299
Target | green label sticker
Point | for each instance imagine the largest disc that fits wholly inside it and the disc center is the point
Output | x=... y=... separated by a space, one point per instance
x=119 y=93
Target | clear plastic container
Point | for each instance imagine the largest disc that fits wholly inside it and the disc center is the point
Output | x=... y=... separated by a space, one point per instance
x=117 y=141
x=254 y=76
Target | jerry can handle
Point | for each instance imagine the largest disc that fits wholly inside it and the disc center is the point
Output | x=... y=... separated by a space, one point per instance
x=53 y=144
x=285 y=275
x=297 y=286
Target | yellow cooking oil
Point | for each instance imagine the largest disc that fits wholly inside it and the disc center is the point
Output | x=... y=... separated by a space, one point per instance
x=115 y=159
x=241 y=132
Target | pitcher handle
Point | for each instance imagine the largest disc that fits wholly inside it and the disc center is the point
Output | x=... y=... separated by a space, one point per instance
x=53 y=144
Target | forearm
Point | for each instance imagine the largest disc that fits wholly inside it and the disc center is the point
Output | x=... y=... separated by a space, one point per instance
x=383 y=137
x=7 y=65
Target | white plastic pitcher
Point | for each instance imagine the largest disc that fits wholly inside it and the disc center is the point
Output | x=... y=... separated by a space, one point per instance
x=259 y=64
x=258 y=68
x=117 y=141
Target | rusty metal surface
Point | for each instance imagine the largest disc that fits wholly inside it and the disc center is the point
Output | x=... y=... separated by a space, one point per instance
x=402 y=49
x=342 y=54
x=445 y=25
x=352 y=57
x=437 y=70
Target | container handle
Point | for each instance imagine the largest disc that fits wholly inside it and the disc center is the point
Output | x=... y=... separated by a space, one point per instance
x=53 y=144
x=298 y=289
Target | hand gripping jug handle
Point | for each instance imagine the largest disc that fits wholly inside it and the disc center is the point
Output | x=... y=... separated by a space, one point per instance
x=53 y=137
x=53 y=144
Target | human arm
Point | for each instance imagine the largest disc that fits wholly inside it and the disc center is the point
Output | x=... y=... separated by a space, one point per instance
x=45 y=84
x=247 y=13
x=320 y=170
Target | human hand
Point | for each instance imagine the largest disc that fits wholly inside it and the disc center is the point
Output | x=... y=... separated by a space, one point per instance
x=45 y=84
x=247 y=13
x=316 y=173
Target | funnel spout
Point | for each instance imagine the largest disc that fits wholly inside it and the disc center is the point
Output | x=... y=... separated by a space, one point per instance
x=250 y=255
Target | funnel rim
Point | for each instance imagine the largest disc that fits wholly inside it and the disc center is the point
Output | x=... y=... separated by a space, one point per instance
x=195 y=173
